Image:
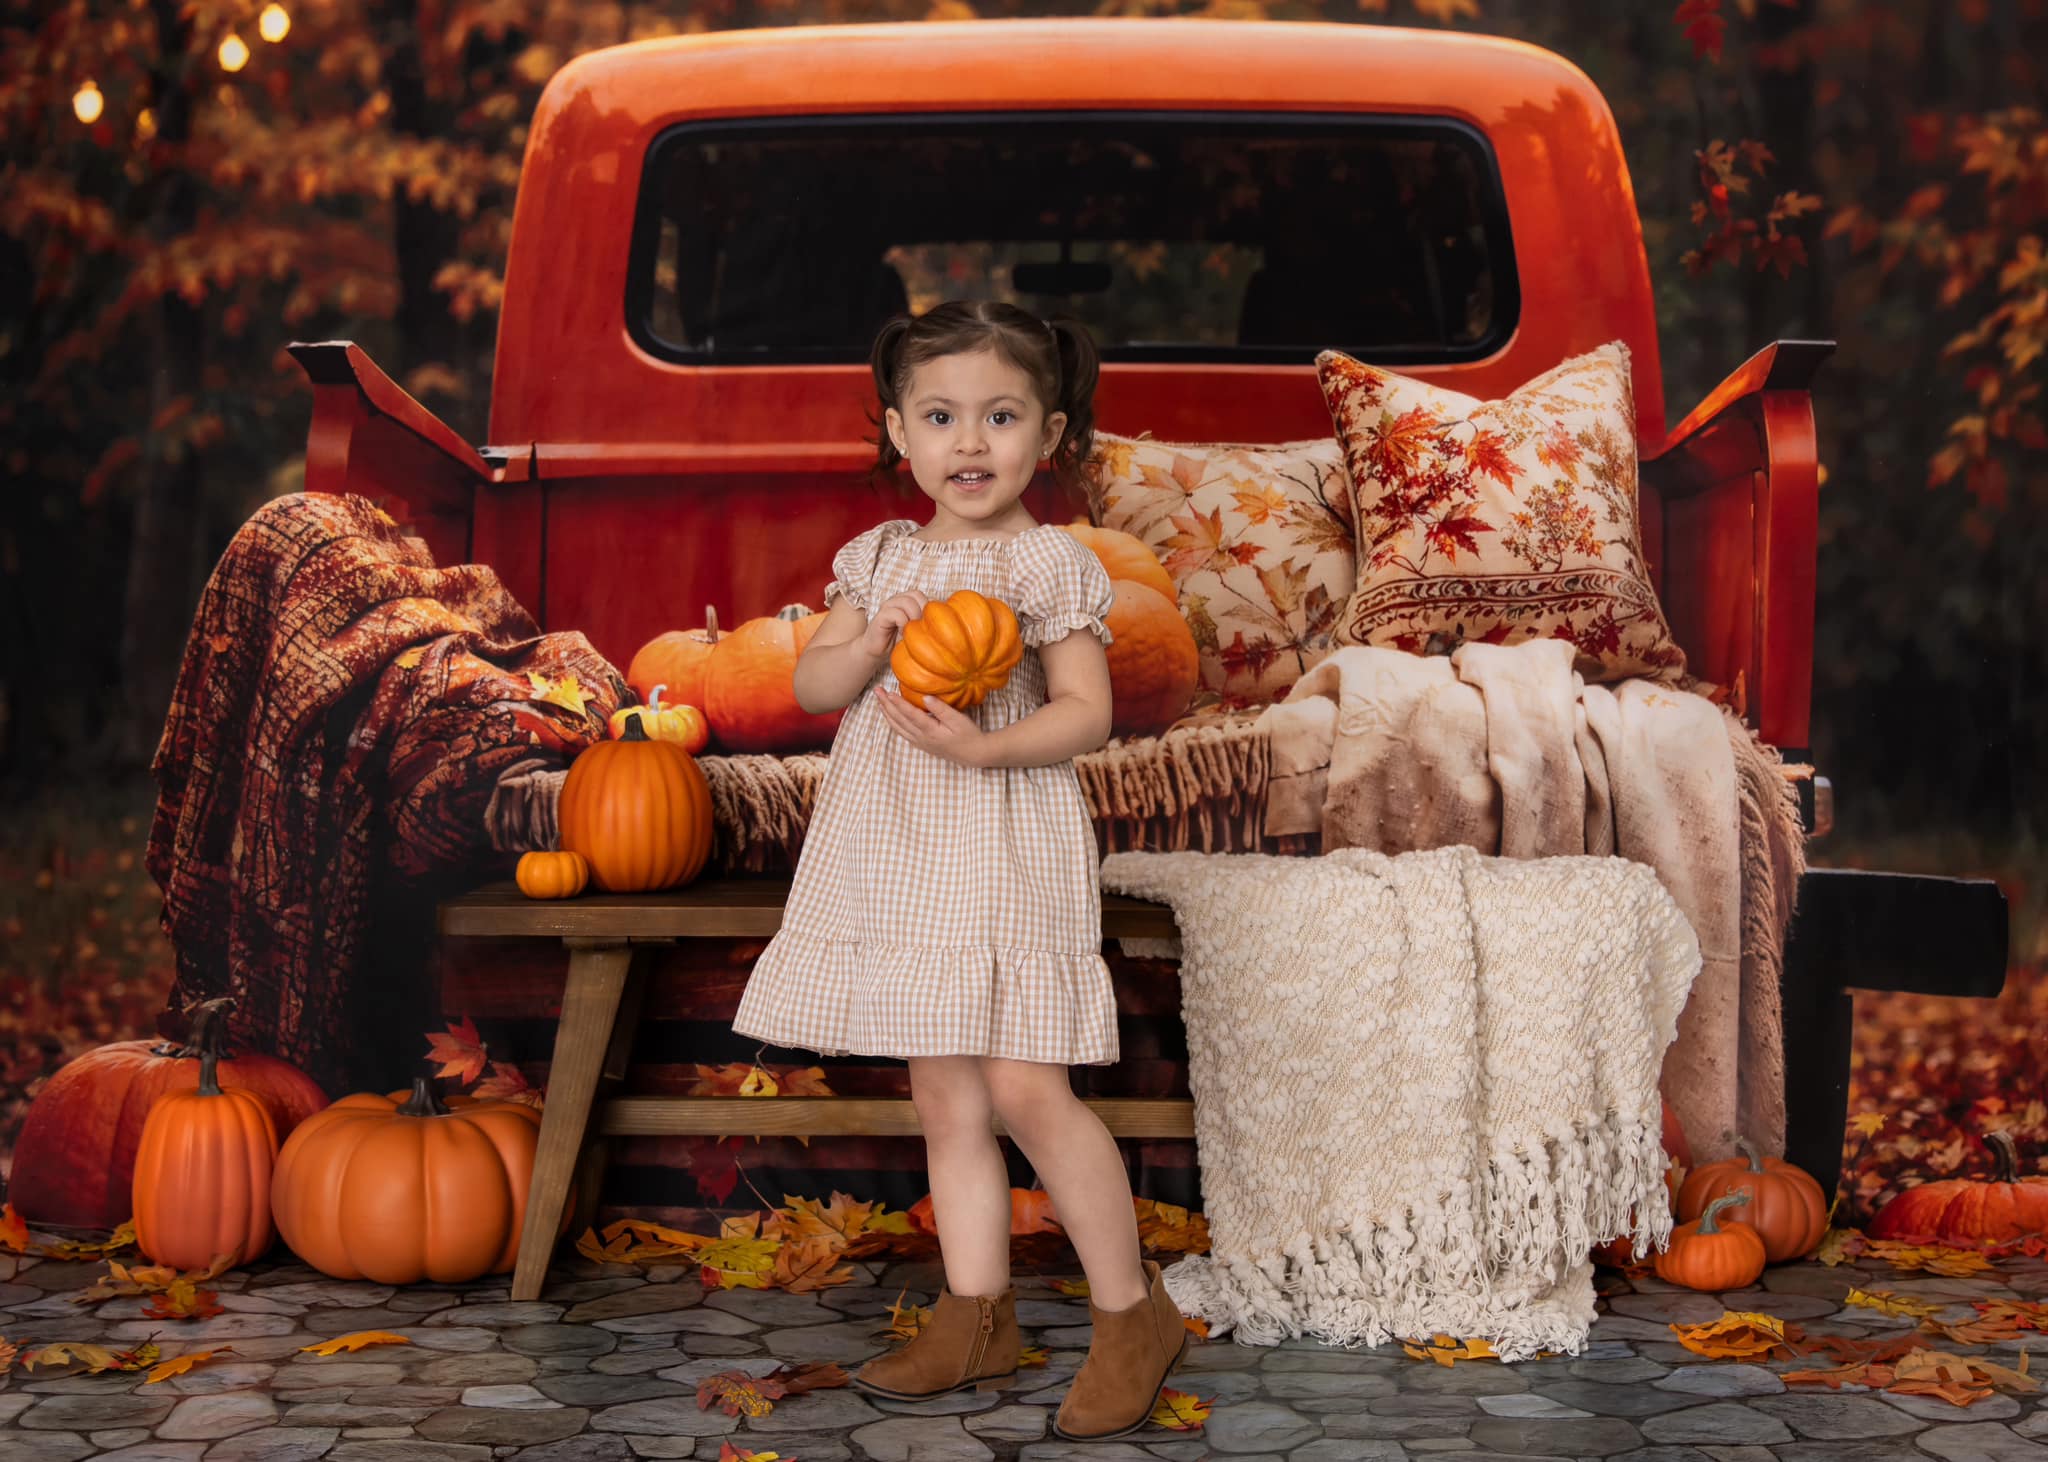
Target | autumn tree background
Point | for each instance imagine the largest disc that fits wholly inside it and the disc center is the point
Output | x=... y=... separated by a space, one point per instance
x=183 y=196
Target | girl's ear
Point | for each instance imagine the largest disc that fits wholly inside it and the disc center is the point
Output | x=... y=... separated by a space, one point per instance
x=892 y=422
x=1055 y=428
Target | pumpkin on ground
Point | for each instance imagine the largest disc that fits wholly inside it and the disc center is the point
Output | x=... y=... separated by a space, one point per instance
x=1154 y=666
x=400 y=1188
x=1031 y=1212
x=1965 y=1213
x=959 y=650
x=74 y=1163
x=1621 y=1253
x=202 y=1174
x=1711 y=1253
x=638 y=810
x=1787 y=1209
x=681 y=723
x=750 y=687
x=542 y=875
x=678 y=660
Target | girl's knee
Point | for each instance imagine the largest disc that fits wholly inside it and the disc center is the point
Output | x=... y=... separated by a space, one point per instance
x=1025 y=1093
x=949 y=1093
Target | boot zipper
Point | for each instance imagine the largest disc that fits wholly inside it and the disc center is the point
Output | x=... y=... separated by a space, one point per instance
x=988 y=1325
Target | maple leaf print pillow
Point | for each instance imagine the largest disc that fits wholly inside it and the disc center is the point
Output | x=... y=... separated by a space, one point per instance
x=1500 y=521
x=1256 y=538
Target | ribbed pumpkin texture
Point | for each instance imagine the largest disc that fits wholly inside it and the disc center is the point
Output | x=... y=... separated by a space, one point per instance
x=638 y=810
x=1969 y=1213
x=1154 y=666
x=203 y=1174
x=666 y=720
x=1125 y=556
x=678 y=660
x=74 y=1164
x=1786 y=1206
x=400 y=1192
x=543 y=875
x=750 y=687
x=960 y=650
x=1711 y=1254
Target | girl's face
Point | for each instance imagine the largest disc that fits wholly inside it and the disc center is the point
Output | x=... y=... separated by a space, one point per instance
x=973 y=429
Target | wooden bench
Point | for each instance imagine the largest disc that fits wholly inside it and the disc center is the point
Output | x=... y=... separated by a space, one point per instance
x=600 y=1008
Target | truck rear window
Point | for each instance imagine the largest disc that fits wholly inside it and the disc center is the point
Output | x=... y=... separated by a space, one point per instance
x=1173 y=236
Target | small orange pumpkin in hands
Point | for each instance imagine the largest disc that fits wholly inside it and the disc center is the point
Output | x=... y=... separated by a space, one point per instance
x=552 y=875
x=1787 y=1208
x=683 y=724
x=959 y=650
x=1712 y=1255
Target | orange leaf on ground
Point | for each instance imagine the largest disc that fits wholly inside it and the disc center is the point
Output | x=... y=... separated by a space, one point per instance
x=1180 y=1411
x=356 y=1340
x=177 y=1365
x=1032 y=1355
x=1073 y=1288
x=95 y=1358
x=738 y=1394
x=13 y=1230
x=459 y=1049
x=1196 y=1325
x=1170 y=1227
x=906 y=1320
x=803 y=1218
x=727 y=1452
x=797 y=1377
x=809 y=1265
x=183 y=1301
x=1736 y=1333
x=8 y=1351
x=1446 y=1350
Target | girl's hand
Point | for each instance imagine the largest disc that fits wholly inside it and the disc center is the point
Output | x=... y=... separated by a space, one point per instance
x=938 y=728
x=895 y=612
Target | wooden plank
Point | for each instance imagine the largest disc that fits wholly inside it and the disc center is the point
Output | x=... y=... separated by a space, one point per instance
x=822 y=1116
x=708 y=909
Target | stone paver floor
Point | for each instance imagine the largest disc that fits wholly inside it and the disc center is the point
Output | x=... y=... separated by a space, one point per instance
x=606 y=1366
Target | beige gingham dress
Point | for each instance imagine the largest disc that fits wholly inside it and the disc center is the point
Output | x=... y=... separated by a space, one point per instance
x=937 y=909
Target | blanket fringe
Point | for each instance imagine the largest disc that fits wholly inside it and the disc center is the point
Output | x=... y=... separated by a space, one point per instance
x=1444 y=1268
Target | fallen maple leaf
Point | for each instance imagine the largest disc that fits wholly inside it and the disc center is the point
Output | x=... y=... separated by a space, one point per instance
x=568 y=692
x=906 y=1320
x=8 y=1351
x=1196 y=1325
x=841 y=1220
x=1736 y=1333
x=1170 y=1227
x=95 y=1358
x=738 y=1394
x=13 y=1229
x=1886 y=1303
x=459 y=1049
x=727 y=1452
x=122 y=1238
x=1179 y=1411
x=1032 y=1355
x=506 y=1083
x=1074 y=1288
x=1446 y=1350
x=182 y=1301
x=810 y=1265
x=797 y=1377
x=177 y=1365
x=356 y=1340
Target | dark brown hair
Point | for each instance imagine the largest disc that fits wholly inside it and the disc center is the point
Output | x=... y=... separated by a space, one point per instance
x=1058 y=355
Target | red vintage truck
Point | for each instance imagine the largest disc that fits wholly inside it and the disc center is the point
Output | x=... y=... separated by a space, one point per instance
x=709 y=230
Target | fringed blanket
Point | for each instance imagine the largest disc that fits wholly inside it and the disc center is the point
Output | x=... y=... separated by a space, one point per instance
x=345 y=710
x=1424 y=1086
x=1504 y=748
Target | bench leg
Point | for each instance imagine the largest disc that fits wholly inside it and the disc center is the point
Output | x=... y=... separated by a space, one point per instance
x=590 y=1003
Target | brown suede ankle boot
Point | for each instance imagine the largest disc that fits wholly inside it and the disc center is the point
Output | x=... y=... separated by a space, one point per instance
x=969 y=1340
x=1130 y=1356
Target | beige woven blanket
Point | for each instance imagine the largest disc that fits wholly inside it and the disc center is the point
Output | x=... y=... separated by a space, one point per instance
x=1425 y=1087
x=1505 y=748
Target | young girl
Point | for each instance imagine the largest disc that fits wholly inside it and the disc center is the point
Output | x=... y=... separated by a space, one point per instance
x=945 y=908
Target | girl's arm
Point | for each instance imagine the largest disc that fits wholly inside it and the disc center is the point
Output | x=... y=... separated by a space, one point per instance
x=848 y=649
x=1075 y=717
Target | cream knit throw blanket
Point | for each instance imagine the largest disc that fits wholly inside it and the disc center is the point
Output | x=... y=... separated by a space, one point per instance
x=1424 y=1086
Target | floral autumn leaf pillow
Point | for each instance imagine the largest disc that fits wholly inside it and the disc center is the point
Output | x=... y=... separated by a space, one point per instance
x=1257 y=540
x=1500 y=521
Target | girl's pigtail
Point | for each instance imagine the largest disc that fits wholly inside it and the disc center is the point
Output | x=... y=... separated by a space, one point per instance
x=1079 y=368
x=883 y=361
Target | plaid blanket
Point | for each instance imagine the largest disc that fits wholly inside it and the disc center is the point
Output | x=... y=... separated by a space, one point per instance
x=340 y=720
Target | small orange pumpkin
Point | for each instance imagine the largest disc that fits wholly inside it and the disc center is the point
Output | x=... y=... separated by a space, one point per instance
x=678 y=659
x=958 y=650
x=1968 y=1214
x=400 y=1191
x=202 y=1173
x=542 y=875
x=1710 y=1254
x=683 y=724
x=1787 y=1209
x=639 y=812
x=1154 y=666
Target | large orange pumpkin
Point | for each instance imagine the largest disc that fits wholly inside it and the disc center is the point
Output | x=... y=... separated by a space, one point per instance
x=400 y=1189
x=1153 y=664
x=958 y=650
x=1711 y=1253
x=639 y=812
x=750 y=687
x=677 y=660
x=1787 y=1209
x=1965 y=1213
x=1126 y=557
x=74 y=1163
x=202 y=1174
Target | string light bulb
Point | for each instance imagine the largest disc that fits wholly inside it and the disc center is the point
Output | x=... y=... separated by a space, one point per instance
x=234 y=53
x=87 y=102
x=273 y=24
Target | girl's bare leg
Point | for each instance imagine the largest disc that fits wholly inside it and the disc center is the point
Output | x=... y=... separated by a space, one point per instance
x=970 y=1183
x=1078 y=1162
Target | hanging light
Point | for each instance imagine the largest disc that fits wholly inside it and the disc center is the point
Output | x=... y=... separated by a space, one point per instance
x=273 y=24
x=234 y=53
x=145 y=125
x=88 y=103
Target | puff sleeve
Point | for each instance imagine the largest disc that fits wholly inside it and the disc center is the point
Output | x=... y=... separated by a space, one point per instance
x=853 y=567
x=1060 y=586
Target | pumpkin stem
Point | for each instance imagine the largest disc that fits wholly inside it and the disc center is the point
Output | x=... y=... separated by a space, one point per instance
x=1749 y=1150
x=2007 y=1152
x=654 y=701
x=711 y=622
x=1727 y=1200
x=209 y=1070
x=634 y=730
x=422 y=1102
x=207 y=1030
